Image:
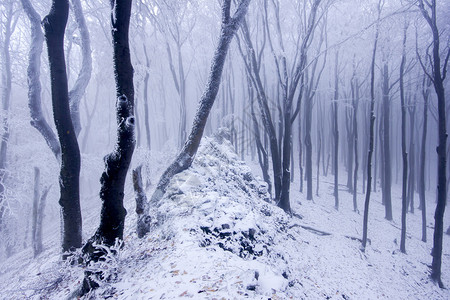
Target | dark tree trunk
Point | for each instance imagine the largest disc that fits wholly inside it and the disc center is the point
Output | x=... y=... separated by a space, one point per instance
x=54 y=26
x=438 y=77
x=387 y=173
x=112 y=181
x=404 y=153
x=371 y=132
x=186 y=156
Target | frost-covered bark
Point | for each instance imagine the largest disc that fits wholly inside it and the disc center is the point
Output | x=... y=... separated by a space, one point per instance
x=142 y=206
x=112 y=181
x=184 y=159
x=84 y=75
x=9 y=25
x=54 y=26
x=38 y=120
x=39 y=201
x=336 y=132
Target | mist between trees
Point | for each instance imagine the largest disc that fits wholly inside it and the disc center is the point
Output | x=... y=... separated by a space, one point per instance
x=349 y=91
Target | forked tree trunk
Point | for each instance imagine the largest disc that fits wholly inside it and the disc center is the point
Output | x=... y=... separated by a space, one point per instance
x=54 y=26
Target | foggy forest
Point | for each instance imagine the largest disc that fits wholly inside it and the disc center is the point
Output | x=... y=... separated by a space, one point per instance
x=219 y=149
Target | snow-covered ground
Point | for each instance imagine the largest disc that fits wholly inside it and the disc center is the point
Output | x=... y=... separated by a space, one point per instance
x=217 y=237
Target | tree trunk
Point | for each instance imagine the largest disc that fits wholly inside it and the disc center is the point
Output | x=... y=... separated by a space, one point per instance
x=112 y=181
x=412 y=158
x=54 y=26
x=355 y=103
x=426 y=95
x=438 y=81
x=387 y=173
x=404 y=153
x=38 y=120
x=84 y=76
x=146 y=113
x=186 y=156
x=371 y=133
x=39 y=201
x=336 y=133
x=142 y=206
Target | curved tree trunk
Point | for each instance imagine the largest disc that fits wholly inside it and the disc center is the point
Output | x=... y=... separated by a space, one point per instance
x=38 y=120
x=54 y=26
x=112 y=181
x=84 y=75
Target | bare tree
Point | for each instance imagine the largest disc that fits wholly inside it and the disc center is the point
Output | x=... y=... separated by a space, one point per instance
x=184 y=159
x=112 y=181
x=38 y=120
x=437 y=76
x=54 y=26
x=371 y=130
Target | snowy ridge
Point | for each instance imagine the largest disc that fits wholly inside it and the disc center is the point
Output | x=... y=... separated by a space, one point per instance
x=216 y=236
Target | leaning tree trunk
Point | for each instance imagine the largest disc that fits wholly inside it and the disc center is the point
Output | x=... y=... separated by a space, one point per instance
x=54 y=26
x=112 y=181
x=186 y=156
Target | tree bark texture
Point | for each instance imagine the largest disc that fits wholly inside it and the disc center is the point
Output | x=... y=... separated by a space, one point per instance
x=54 y=26
x=186 y=156
x=38 y=120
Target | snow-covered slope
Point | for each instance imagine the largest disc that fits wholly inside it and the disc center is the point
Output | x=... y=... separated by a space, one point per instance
x=217 y=236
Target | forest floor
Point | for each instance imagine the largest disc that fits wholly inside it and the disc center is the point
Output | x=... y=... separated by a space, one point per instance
x=216 y=237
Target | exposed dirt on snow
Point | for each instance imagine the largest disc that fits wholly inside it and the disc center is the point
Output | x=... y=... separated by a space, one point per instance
x=216 y=235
